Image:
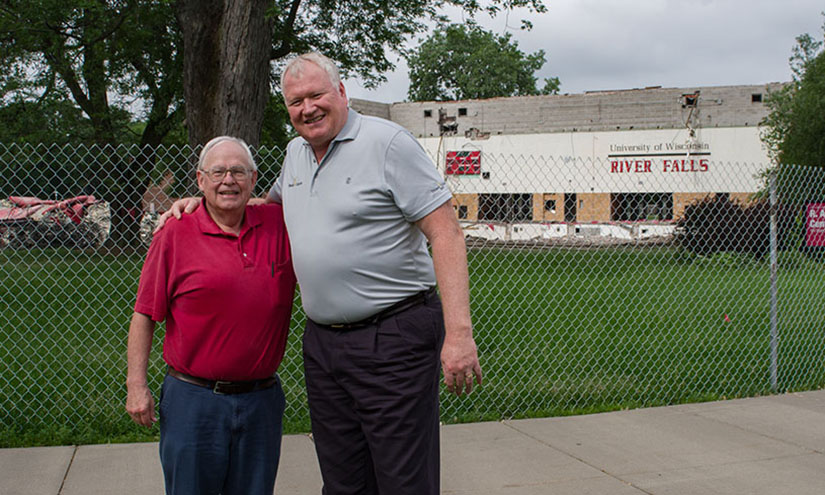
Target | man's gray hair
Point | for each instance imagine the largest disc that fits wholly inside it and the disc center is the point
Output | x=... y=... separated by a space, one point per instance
x=296 y=66
x=222 y=139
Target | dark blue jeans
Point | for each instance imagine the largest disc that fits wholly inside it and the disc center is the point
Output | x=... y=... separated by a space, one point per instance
x=219 y=444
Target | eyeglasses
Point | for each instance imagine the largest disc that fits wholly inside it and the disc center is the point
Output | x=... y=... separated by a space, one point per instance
x=217 y=174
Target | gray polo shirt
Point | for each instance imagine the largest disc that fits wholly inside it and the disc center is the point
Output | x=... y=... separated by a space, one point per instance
x=355 y=247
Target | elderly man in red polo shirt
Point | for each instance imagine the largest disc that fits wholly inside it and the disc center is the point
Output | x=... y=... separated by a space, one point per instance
x=222 y=279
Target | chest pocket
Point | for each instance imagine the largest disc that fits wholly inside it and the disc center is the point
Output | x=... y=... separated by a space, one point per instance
x=281 y=283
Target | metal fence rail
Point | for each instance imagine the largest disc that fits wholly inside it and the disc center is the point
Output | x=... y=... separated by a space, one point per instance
x=635 y=288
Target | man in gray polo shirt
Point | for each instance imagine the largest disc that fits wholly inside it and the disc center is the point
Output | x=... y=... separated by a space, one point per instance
x=361 y=199
x=351 y=218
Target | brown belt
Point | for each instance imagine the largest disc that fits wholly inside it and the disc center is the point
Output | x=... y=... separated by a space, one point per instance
x=223 y=387
x=402 y=305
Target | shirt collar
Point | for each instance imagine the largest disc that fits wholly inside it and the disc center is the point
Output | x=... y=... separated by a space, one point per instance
x=208 y=226
x=351 y=127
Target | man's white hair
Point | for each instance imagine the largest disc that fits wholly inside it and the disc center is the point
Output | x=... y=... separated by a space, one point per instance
x=296 y=67
x=222 y=139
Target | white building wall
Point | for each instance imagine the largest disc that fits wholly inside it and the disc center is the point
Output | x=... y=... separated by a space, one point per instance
x=667 y=160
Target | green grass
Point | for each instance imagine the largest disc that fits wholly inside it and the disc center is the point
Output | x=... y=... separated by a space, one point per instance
x=560 y=331
x=564 y=331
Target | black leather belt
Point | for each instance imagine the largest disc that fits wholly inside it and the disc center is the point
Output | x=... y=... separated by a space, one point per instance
x=224 y=387
x=400 y=306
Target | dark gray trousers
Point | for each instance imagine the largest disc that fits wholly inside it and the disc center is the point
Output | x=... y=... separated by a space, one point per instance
x=373 y=401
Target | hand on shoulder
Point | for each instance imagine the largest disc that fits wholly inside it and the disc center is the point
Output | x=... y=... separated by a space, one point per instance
x=183 y=205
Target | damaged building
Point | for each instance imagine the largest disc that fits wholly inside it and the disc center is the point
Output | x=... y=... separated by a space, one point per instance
x=598 y=157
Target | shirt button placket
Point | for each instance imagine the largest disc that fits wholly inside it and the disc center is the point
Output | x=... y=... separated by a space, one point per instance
x=245 y=259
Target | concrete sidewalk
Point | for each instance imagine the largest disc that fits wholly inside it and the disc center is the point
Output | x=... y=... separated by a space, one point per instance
x=768 y=445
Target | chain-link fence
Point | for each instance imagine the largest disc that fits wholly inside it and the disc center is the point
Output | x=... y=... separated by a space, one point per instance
x=594 y=285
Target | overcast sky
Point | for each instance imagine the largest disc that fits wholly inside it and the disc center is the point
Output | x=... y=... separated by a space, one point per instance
x=622 y=44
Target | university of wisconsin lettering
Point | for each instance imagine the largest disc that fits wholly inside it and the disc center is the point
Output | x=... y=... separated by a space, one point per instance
x=667 y=157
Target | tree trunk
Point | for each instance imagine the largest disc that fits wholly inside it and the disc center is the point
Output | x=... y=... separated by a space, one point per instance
x=126 y=207
x=226 y=45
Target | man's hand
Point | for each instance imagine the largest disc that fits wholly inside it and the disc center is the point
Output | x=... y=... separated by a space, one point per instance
x=459 y=361
x=140 y=405
x=183 y=205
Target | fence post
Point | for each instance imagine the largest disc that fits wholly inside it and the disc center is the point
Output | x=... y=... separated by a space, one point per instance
x=774 y=332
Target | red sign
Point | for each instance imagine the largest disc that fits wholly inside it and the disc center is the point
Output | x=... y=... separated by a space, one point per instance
x=815 y=225
x=463 y=163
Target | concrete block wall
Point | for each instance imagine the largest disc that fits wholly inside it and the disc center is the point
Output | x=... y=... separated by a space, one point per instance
x=648 y=108
x=544 y=215
x=742 y=198
x=374 y=108
x=593 y=207
x=470 y=202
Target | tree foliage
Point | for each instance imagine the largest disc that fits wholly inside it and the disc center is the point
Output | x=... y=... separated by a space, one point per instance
x=123 y=60
x=464 y=61
x=48 y=120
x=224 y=42
x=103 y=56
x=794 y=131
x=717 y=224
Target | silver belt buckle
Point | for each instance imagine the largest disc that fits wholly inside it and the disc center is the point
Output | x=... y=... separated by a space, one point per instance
x=217 y=385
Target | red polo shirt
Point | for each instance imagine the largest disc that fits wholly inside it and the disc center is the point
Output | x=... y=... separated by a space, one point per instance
x=226 y=299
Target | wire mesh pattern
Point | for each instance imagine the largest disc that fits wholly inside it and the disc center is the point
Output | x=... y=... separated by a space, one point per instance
x=619 y=292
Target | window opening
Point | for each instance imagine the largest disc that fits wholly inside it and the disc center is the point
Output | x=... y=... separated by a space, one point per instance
x=505 y=207
x=633 y=207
